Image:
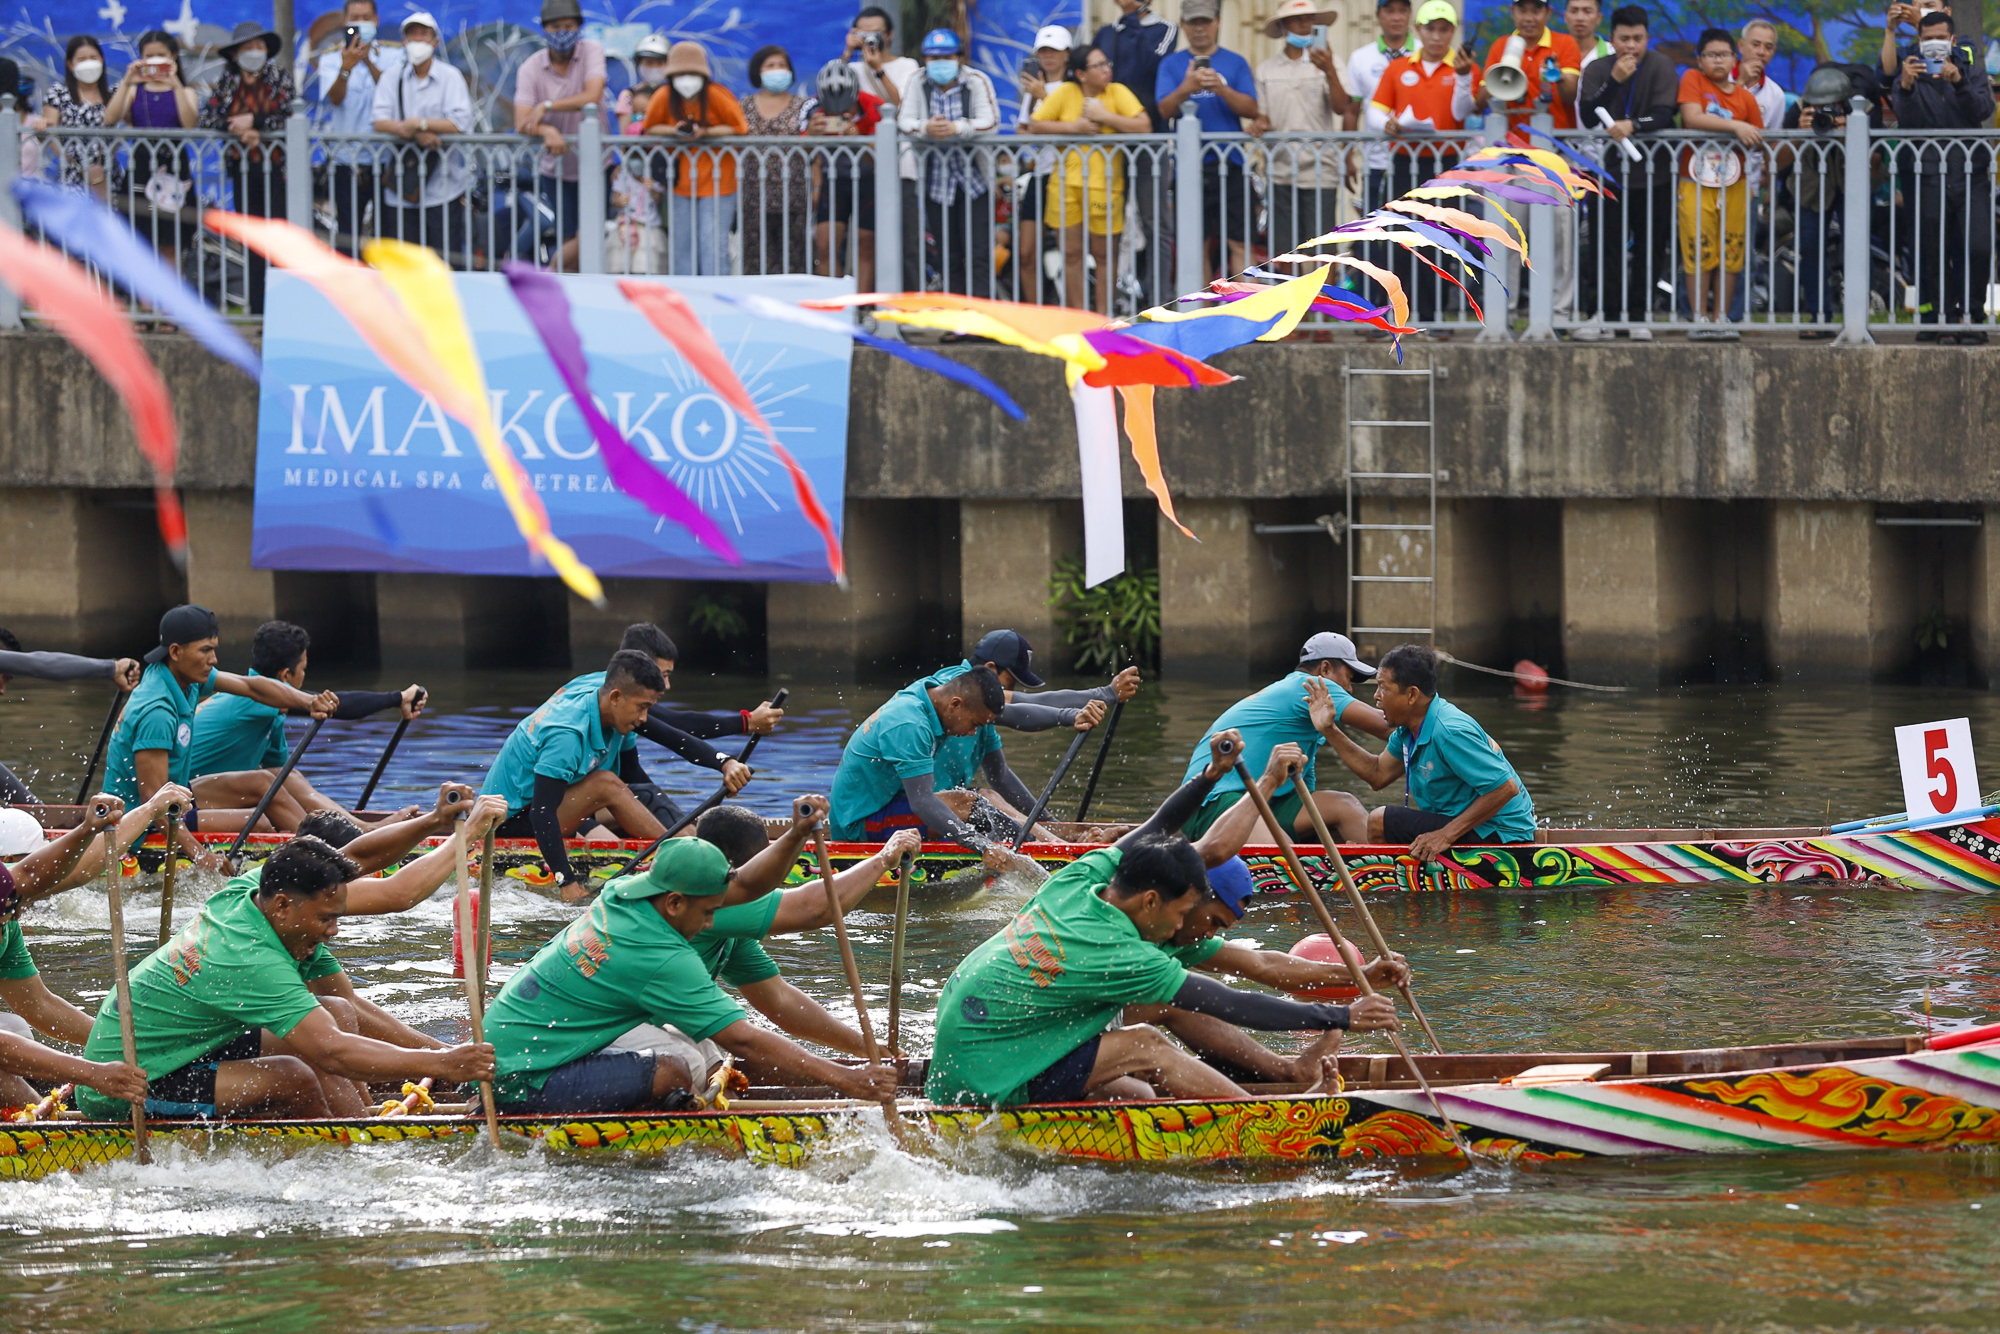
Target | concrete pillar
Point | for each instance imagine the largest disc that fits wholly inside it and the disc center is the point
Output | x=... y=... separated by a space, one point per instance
x=1403 y=610
x=594 y=633
x=219 y=573
x=1008 y=551
x=1635 y=591
x=897 y=565
x=1820 y=609
x=1473 y=577
x=1222 y=614
x=86 y=570
x=462 y=621
x=1985 y=616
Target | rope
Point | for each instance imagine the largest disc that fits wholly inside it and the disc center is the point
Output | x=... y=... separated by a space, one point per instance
x=1551 y=680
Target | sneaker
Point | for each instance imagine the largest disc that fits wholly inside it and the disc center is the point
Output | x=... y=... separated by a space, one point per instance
x=1702 y=331
x=1930 y=336
x=1588 y=333
x=1723 y=333
x=1816 y=335
x=1972 y=338
x=1640 y=333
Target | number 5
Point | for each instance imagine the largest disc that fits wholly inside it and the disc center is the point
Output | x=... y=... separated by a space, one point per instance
x=1938 y=765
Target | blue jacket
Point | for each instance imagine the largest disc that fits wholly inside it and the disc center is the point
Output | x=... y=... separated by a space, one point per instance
x=1137 y=43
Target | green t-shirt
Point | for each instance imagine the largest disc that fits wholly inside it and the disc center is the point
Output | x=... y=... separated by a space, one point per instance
x=235 y=732
x=732 y=946
x=159 y=716
x=564 y=739
x=15 y=961
x=617 y=966
x=1056 y=977
x=900 y=740
x=222 y=975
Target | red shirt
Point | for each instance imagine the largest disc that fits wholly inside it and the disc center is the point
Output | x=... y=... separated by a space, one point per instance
x=1404 y=84
x=1720 y=166
x=1562 y=47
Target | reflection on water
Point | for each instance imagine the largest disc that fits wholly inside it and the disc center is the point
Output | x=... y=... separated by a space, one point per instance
x=871 y=1238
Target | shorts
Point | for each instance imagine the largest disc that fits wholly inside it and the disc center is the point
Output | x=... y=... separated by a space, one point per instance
x=1068 y=1080
x=1225 y=196
x=190 y=1090
x=1402 y=824
x=1286 y=808
x=664 y=808
x=1103 y=207
x=604 y=1081
x=1028 y=204
x=848 y=199
x=517 y=825
x=896 y=815
x=1705 y=228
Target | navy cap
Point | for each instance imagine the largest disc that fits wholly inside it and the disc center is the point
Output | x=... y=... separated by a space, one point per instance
x=185 y=624
x=1232 y=884
x=1008 y=652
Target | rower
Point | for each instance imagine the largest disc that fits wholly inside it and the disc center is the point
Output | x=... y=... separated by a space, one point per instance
x=1281 y=712
x=371 y=850
x=628 y=961
x=1461 y=788
x=1025 y=1017
x=43 y=865
x=52 y=667
x=887 y=779
x=227 y=1024
x=240 y=745
x=154 y=741
x=559 y=766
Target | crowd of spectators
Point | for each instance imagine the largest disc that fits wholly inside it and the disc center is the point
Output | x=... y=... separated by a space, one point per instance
x=1696 y=184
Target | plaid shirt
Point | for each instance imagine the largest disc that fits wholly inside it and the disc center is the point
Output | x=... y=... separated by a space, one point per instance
x=951 y=168
x=266 y=95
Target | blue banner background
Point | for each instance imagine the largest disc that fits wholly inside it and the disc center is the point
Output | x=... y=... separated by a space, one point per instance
x=356 y=472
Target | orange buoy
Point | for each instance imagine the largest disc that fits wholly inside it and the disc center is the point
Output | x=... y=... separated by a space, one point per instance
x=1320 y=949
x=1531 y=678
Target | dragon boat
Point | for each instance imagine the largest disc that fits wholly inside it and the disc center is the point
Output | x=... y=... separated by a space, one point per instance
x=1961 y=855
x=1904 y=1092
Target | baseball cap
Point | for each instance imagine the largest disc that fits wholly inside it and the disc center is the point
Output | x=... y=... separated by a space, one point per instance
x=1055 y=37
x=1232 y=884
x=689 y=866
x=424 y=17
x=185 y=624
x=1200 y=9
x=1433 y=11
x=20 y=833
x=1007 y=651
x=1326 y=645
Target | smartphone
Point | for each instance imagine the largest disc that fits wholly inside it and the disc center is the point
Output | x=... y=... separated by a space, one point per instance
x=1319 y=34
x=1199 y=62
x=352 y=34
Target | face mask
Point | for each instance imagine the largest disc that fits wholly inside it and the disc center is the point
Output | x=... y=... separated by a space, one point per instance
x=689 y=85
x=652 y=75
x=1293 y=39
x=252 y=60
x=364 y=33
x=88 y=71
x=418 y=52
x=562 y=41
x=1935 y=49
x=941 y=72
x=775 y=80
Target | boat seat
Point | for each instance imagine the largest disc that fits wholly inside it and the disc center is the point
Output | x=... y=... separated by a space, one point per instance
x=1557 y=1074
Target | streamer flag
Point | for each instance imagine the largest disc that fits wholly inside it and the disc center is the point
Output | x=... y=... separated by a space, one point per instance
x=1139 y=430
x=542 y=300
x=1103 y=493
x=93 y=233
x=67 y=298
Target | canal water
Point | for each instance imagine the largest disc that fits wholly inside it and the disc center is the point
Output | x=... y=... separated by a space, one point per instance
x=869 y=1238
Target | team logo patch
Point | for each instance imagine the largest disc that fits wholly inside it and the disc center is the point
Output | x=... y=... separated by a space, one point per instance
x=1409 y=78
x=184 y=735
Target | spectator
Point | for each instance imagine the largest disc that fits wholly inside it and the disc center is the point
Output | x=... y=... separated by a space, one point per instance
x=79 y=100
x=949 y=102
x=425 y=101
x=1420 y=94
x=251 y=101
x=551 y=90
x=1364 y=74
x=1222 y=91
x=1901 y=12
x=649 y=57
x=777 y=192
x=1299 y=92
x=1573 y=291
x=697 y=110
x=1039 y=77
x=1819 y=176
x=348 y=77
x=871 y=47
x=1941 y=86
x=1757 y=45
x=1093 y=188
x=634 y=242
x=1626 y=247
x=840 y=109
x=1714 y=197
x=1137 y=43
x=154 y=95
x=1551 y=62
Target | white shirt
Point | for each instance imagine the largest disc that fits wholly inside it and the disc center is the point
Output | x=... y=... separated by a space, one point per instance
x=440 y=94
x=890 y=83
x=1771 y=102
x=1364 y=71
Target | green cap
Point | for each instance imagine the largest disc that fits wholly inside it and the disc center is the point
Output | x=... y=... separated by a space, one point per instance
x=690 y=866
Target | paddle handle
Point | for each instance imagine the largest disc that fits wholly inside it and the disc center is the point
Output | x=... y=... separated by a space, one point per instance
x=1097 y=765
x=475 y=998
x=169 y=871
x=713 y=800
x=382 y=764
x=866 y=1024
x=903 y=869
x=103 y=739
x=141 y=1149
x=1049 y=788
x=263 y=802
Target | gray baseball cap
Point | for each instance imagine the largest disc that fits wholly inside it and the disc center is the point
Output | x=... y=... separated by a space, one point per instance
x=1339 y=648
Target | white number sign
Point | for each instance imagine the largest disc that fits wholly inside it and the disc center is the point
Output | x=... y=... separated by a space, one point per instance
x=1938 y=777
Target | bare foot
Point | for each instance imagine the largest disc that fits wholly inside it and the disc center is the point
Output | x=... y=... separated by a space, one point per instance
x=576 y=891
x=1328 y=1082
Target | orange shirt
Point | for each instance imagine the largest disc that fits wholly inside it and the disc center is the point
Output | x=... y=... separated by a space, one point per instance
x=1568 y=60
x=722 y=109
x=1404 y=84
x=1739 y=103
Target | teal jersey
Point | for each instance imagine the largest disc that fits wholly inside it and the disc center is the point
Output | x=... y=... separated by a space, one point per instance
x=1452 y=761
x=159 y=716
x=565 y=739
x=900 y=740
x=960 y=758
x=1274 y=715
x=235 y=732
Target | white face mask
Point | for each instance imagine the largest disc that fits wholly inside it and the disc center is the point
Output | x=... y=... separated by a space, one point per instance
x=688 y=85
x=251 y=59
x=88 y=71
x=418 y=52
x=652 y=75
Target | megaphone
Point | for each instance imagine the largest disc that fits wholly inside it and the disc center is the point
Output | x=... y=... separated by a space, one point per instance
x=1505 y=81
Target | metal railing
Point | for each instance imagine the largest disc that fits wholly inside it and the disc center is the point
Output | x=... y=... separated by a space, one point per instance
x=1822 y=233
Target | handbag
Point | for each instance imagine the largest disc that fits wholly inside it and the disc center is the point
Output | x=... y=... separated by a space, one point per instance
x=414 y=168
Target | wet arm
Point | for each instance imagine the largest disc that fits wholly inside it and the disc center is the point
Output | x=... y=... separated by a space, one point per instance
x=1254 y=1009
x=1174 y=812
x=45 y=1011
x=801 y=1016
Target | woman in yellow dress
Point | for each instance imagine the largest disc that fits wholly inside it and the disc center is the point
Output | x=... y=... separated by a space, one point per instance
x=1093 y=181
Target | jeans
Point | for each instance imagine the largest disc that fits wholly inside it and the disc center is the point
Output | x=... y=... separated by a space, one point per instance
x=439 y=226
x=698 y=233
x=962 y=232
x=260 y=193
x=1626 y=250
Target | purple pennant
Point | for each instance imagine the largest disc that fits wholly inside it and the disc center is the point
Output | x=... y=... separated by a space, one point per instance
x=542 y=300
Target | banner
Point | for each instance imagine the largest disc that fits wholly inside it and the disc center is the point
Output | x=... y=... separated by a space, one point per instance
x=357 y=472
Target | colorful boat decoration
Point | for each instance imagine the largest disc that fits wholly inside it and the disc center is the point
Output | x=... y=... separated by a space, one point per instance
x=1842 y=1095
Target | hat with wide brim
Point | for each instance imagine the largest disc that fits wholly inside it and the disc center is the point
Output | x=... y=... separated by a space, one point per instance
x=1292 y=9
x=249 y=30
x=688 y=58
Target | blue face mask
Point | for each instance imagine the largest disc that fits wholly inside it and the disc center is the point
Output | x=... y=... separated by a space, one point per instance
x=364 y=33
x=941 y=72
x=775 y=80
x=562 y=41
x=1293 y=39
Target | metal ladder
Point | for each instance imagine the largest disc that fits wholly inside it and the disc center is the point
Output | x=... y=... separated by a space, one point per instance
x=1428 y=424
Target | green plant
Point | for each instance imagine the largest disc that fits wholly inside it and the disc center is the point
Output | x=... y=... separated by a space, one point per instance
x=1933 y=631
x=1111 y=626
x=716 y=618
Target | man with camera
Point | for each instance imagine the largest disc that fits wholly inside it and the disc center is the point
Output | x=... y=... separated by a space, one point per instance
x=1818 y=177
x=426 y=100
x=348 y=77
x=882 y=74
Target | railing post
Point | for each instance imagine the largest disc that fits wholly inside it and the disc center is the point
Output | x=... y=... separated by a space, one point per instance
x=1494 y=294
x=1856 y=196
x=298 y=166
x=1190 y=245
x=590 y=192
x=888 y=209
x=10 y=211
x=1542 y=223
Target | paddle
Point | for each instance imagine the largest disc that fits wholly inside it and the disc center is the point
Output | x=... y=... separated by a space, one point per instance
x=103 y=738
x=1348 y=953
x=475 y=958
x=1361 y=907
x=168 y=869
x=867 y=1025
x=1049 y=788
x=257 y=813
x=903 y=868
x=714 y=800
x=1097 y=765
x=395 y=740
x=123 y=984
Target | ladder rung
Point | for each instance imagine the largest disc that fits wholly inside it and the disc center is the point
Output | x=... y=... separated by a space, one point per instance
x=1386 y=421
x=1390 y=527
x=1423 y=476
x=1393 y=630
x=1393 y=578
x=1363 y=370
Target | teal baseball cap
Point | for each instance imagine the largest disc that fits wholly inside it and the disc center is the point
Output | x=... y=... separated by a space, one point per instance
x=689 y=866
